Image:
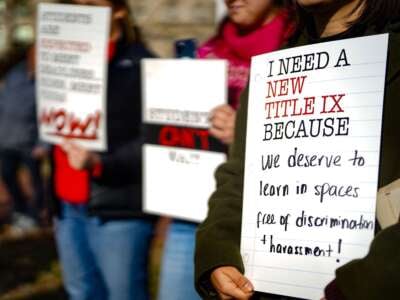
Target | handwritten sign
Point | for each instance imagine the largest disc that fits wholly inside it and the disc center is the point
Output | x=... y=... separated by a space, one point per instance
x=312 y=160
x=72 y=73
x=180 y=157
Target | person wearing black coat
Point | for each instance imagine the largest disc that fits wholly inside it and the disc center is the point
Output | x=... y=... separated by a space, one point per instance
x=102 y=235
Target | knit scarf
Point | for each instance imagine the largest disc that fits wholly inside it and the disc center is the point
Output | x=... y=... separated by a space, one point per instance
x=238 y=49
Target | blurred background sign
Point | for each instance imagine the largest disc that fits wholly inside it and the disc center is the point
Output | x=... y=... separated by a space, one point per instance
x=161 y=22
x=180 y=157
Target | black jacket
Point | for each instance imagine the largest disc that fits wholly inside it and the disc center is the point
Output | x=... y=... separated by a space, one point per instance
x=18 y=126
x=117 y=193
x=218 y=237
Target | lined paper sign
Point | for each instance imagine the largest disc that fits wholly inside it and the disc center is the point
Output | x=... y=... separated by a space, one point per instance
x=72 y=73
x=312 y=160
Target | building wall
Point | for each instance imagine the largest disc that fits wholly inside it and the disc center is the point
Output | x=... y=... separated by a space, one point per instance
x=162 y=21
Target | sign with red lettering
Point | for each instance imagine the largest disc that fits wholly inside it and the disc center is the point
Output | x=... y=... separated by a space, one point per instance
x=312 y=161
x=71 y=74
x=180 y=156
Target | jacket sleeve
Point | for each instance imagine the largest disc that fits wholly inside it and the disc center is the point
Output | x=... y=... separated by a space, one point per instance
x=122 y=166
x=377 y=275
x=218 y=237
x=3 y=87
x=1 y=96
x=333 y=292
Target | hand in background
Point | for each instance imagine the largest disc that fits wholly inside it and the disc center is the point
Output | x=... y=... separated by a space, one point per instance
x=222 y=120
x=78 y=157
x=231 y=284
x=40 y=152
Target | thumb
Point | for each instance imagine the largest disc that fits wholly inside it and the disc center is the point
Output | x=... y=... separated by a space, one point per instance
x=241 y=281
x=66 y=146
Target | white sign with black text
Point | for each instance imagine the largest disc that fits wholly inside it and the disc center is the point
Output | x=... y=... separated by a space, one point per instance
x=72 y=74
x=312 y=160
x=180 y=157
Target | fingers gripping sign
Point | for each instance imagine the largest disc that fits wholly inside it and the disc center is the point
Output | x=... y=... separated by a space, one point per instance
x=231 y=284
x=78 y=157
x=222 y=120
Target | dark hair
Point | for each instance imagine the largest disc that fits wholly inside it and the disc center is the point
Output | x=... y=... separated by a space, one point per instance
x=130 y=29
x=379 y=13
x=12 y=57
x=376 y=14
x=282 y=2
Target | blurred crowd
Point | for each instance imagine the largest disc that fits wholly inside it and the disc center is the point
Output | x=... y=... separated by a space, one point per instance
x=20 y=146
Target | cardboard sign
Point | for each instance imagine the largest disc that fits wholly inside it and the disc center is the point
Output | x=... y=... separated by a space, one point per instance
x=312 y=161
x=72 y=74
x=180 y=157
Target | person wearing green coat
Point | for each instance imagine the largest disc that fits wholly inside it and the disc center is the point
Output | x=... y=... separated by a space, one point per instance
x=218 y=263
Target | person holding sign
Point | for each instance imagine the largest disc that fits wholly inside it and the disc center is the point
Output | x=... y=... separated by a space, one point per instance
x=102 y=235
x=219 y=265
x=252 y=27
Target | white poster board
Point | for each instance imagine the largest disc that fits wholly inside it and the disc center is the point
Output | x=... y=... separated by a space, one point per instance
x=312 y=160
x=71 y=73
x=179 y=159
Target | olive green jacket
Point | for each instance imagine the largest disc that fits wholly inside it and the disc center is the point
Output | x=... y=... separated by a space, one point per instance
x=377 y=276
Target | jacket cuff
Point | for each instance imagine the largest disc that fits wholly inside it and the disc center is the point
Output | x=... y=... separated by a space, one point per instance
x=333 y=292
x=205 y=287
x=210 y=257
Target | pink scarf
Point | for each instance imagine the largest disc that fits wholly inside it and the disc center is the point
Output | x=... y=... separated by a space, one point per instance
x=238 y=49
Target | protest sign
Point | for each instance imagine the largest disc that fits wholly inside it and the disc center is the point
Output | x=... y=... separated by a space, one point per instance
x=312 y=161
x=180 y=157
x=71 y=74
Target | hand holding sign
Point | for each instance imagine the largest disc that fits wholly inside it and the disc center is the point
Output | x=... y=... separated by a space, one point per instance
x=79 y=158
x=231 y=284
x=222 y=120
